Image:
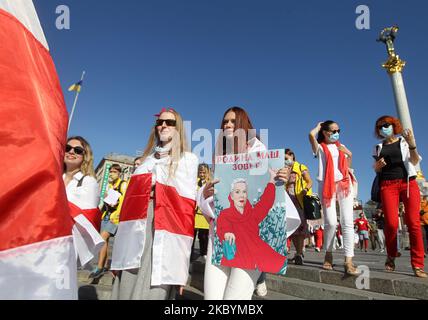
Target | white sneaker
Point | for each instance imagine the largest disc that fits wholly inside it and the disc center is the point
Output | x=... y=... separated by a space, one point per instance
x=261 y=289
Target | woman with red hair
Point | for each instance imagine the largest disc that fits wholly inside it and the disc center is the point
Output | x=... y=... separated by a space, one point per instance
x=397 y=158
x=237 y=136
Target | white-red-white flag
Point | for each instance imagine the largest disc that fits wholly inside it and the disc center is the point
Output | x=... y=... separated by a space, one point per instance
x=37 y=255
x=174 y=220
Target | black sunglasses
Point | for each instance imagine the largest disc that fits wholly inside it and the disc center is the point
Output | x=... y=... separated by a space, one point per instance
x=77 y=150
x=334 y=131
x=385 y=125
x=169 y=122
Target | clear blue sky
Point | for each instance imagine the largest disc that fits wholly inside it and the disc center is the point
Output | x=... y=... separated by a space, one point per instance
x=290 y=64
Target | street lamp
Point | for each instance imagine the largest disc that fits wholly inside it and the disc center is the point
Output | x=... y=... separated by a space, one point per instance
x=394 y=66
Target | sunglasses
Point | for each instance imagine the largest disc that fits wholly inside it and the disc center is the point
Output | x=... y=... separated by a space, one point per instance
x=169 y=122
x=77 y=150
x=334 y=131
x=385 y=125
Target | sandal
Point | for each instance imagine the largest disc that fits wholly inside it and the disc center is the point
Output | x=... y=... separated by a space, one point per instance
x=328 y=261
x=420 y=273
x=350 y=269
x=390 y=264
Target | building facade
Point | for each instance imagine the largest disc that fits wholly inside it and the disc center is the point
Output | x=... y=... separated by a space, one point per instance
x=102 y=170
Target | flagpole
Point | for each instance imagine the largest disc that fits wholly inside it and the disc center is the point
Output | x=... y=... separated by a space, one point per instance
x=75 y=102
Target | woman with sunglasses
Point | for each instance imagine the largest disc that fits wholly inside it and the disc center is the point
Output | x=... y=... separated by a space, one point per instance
x=229 y=283
x=83 y=196
x=397 y=157
x=156 y=229
x=335 y=182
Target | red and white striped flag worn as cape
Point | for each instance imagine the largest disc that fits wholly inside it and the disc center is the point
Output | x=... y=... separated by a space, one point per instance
x=174 y=218
x=84 y=210
x=37 y=251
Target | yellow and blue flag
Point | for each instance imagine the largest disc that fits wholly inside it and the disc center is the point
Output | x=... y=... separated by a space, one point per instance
x=76 y=87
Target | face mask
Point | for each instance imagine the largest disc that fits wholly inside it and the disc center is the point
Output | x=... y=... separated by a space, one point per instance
x=289 y=163
x=334 y=137
x=386 y=132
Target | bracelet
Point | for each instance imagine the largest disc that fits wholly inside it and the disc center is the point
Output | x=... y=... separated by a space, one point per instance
x=412 y=148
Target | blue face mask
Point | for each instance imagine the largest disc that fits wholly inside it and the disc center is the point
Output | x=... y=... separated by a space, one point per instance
x=386 y=132
x=334 y=137
x=289 y=163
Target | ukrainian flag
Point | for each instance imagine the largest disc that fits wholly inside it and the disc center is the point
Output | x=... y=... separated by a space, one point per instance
x=76 y=87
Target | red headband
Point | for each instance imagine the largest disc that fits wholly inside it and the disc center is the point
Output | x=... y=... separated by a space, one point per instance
x=164 y=110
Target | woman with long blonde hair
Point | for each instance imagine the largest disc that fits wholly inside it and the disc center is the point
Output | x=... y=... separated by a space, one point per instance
x=155 y=234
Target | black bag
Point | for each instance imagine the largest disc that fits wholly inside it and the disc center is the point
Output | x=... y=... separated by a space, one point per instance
x=375 y=193
x=311 y=204
x=312 y=207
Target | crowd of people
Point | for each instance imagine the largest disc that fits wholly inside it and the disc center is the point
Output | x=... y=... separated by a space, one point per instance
x=168 y=203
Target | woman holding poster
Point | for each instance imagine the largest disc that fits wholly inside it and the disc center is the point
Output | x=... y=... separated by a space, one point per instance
x=335 y=183
x=223 y=282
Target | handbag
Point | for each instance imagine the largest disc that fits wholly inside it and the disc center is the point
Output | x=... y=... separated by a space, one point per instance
x=375 y=192
x=229 y=250
x=311 y=204
x=312 y=207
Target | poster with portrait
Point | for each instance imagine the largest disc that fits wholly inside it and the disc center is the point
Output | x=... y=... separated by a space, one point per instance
x=250 y=225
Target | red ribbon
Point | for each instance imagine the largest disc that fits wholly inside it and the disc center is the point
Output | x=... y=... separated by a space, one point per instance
x=164 y=110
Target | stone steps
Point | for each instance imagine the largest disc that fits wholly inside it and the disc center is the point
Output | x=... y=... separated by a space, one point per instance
x=309 y=290
x=329 y=284
x=301 y=282
x=394 y=284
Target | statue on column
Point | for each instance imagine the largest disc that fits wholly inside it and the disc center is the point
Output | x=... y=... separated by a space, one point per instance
x=387 y=36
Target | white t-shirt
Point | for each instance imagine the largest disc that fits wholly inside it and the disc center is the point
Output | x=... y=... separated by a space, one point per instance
x=338 y=176
x=87 y=195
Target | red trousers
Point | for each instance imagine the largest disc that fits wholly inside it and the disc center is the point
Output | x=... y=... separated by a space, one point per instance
x=391 y=193
x=319 y=236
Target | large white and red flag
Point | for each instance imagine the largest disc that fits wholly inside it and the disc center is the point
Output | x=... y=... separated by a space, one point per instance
x=37 y=255
x=173 y=224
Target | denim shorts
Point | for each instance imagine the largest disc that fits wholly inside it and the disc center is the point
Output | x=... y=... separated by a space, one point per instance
x=364 y=235
x=108 y=226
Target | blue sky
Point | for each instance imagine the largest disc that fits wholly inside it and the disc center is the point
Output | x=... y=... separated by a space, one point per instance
x=289 y=64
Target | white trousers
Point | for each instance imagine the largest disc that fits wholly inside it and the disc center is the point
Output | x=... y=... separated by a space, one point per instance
x=225 y=283
x=381 y=237
x=346 y=207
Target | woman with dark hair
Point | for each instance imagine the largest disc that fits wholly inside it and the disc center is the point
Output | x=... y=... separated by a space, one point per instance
x=397 y=158
x=201 y=224
x=335 y=183
x=230 y=283
x=298 y=186
x=83 y=196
